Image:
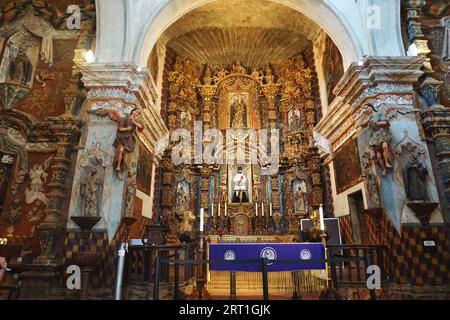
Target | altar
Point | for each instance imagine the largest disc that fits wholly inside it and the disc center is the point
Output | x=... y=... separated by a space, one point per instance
x=301 y=267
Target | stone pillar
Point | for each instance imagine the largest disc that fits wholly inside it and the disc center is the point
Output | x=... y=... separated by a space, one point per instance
x=270 y=91
x=388 y=85
x=436 y=122
x=114 y=90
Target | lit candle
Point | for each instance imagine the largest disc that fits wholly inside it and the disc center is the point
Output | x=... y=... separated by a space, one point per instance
x=262 y=209
x=201 y=220
x=225 y=209
x=256 y=210
x=322 y=222
x=270 y=209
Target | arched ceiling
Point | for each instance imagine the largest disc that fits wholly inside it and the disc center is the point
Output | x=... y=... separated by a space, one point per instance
x=256 y=32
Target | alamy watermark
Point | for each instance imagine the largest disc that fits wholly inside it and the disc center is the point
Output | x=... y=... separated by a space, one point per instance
x=217 y=147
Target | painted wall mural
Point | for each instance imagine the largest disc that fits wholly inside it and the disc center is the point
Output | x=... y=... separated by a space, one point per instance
x=333 y=67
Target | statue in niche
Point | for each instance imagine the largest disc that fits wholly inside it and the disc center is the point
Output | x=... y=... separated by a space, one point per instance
x=238 y=114
x=20 y=66
x=38 y=177
x=239 y=68
x=270 y=78
x=125 y=142
x=90 y=187
x=380 y=136
x=207 y=79
x=240 y=187
x=294 y=120
x=300 y=191
x=182 y=198
x=186 y=120
x=416 y=174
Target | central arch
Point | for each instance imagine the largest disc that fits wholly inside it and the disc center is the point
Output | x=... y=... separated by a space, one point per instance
x=318 y=11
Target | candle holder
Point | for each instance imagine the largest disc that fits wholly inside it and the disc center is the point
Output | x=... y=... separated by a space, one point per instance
x=200 y=292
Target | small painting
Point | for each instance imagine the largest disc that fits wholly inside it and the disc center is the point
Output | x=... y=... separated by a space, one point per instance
x=347 y=167
x=144 y=170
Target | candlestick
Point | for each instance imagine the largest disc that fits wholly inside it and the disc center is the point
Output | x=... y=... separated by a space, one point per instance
x=212 y=210
x=225 y=209
x=256 y=210
x=322 y=222
x=270 y=209
x=201 y=220
x=262 y=209
x=218 y=214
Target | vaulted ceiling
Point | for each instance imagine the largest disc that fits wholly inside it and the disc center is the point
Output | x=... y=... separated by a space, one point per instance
x=256 y=32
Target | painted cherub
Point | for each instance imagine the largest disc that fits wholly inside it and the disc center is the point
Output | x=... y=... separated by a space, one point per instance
x=125 y=142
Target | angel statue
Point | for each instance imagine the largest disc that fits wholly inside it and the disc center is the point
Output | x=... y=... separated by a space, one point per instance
x=125 y=142
x=380 y=136
x=38 y=176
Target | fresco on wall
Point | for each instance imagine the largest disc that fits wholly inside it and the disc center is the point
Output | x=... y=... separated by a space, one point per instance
x=333 y=67
x=347 y=167
x=54 y=11
x=144 y=170
x=47 y=98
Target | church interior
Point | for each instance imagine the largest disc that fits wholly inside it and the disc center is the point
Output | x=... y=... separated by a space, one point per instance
x=226 y=149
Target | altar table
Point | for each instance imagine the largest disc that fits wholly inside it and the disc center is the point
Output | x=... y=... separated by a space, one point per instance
x=282 y=257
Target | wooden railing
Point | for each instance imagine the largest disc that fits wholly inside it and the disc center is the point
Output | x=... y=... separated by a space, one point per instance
x=349 y=264
x=141 y=263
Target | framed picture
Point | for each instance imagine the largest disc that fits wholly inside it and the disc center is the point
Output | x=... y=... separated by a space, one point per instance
x=144 y=170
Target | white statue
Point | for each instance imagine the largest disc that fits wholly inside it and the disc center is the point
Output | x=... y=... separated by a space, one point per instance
x=240 y=187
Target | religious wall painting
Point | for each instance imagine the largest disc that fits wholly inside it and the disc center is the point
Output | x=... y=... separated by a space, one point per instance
x=333 y=67
x=47 y=95
x=53 y=11
x=17 y=67
x=144 y=170
x=347 y=166
x=38 y=177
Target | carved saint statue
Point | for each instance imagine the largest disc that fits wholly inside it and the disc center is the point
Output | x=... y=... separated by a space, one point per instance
x=270 y=78
x=90 y=187
x=20 y=67
x=300 y=195
x=294 y=120
x=240 y=187
x=238 y=68
x=416 y=175
x=380 y=136
x=238 y=114
x=186 y=120
x=125 y=142
x=182 y=199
